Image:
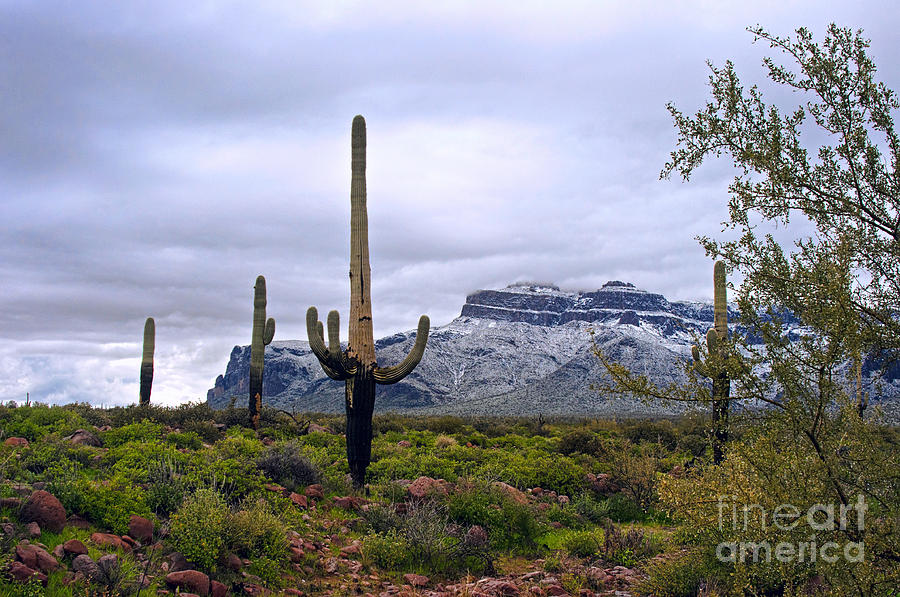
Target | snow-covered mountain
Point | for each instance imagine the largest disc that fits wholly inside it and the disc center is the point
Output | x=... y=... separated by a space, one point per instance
x=522 y=350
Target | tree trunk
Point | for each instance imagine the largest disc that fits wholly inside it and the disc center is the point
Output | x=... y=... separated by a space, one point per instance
x=359 y=404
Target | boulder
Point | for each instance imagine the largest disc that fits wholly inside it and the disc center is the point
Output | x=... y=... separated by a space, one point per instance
x=83 y=437
x=74 y=547
x=85 y=565
x=110 y=541
x=217 y=589
x=189 y=580
x=43 y=508
x=140 y=528
x=513 y=493
x=425 y=486
x=416 y=580
x=22 y=573
x=315 y=491
x=16 y=442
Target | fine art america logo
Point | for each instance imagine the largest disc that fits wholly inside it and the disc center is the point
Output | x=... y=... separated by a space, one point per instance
x=788 y=517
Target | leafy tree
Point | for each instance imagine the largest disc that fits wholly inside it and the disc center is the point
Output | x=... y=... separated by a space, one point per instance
x=841 y=284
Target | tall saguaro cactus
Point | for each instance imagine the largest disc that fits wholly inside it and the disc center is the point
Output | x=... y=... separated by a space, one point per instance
x=715 y=367
x=357 y=366
x=147 y=360
x=263 y=332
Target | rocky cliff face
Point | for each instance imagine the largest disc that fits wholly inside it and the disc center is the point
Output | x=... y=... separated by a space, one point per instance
x=522 y=350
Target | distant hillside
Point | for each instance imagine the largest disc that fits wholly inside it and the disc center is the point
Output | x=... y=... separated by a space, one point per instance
x=525 y=349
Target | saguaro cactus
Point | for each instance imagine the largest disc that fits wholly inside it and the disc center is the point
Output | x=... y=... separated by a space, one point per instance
x=357 y=366
x=263 y=332
x=715 y=368
x=147 y=360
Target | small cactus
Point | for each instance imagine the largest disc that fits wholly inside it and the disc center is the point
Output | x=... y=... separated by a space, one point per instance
x=715 y=339
x=263 y=332
x=147 y=361
x=357 y=366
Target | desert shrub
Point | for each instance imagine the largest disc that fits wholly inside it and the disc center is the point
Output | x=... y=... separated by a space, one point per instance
x=166 y=486
x=590 y=509
x=534 y=468
x=387 y=550
x=579 y=441
x=621 y=508
x=267 y=570
x=564 y=515
x=509 y=525
x=685 y=574
x=131 y=462
x=111 y=505
x=139 y=432
x=287 y=465
x=443 y=442
x=627 y=548
x=583 y=544
x=232 y=478
x=256 y=530
x=649 y=431
x=411 y=465
x=637 y=475
x=184 y=440
x=35 y=421
x=198 y=528
x=238 y=443
x=64 y=480
x=41 y=455
x=205 y=430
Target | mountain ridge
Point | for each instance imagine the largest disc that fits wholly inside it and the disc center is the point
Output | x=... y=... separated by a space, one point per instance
x=526 y=349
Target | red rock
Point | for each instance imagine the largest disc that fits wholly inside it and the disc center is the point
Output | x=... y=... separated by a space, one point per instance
x=351 y=550
x=233 y=562
x=349 y=503
x=16 y=442
x=313 y=428
x=33 y=530
x=556 y=590
x=74 y=547
x=425 y=486
x=192 y=580
x=140 y=528
x=83 y=437
x=295 y=553
x=23 y=573
x=217 y=589
x=43 y=508
x=315 y=491
x=111 y=541
x=10 y=502
x=299 y=500
x=416 y=580
x=129 y=541
x=496 y=586
x=511 y=492
x=404 y=444
x=36 y=557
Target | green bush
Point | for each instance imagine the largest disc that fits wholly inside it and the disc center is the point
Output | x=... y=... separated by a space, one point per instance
x=583 y=544
x=257 y=531
x=198 y=528
x=110 y=505
x=140 y=432
x=166 y=486
x=185 y=440
x=509 y=525
x=579 y=441
x=683 y=575
x=389 y=550
x=288 y=465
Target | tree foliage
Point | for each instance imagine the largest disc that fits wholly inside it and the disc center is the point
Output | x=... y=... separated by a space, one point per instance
x=830 y=163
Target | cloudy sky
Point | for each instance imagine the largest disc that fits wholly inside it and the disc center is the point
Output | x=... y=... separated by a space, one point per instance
x=155 y=157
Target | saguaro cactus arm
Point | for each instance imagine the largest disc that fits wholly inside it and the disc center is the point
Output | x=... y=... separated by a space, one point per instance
x=389 y=375
x=333 y=362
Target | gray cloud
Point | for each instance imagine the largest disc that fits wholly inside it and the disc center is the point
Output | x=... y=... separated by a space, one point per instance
x=154 y=159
